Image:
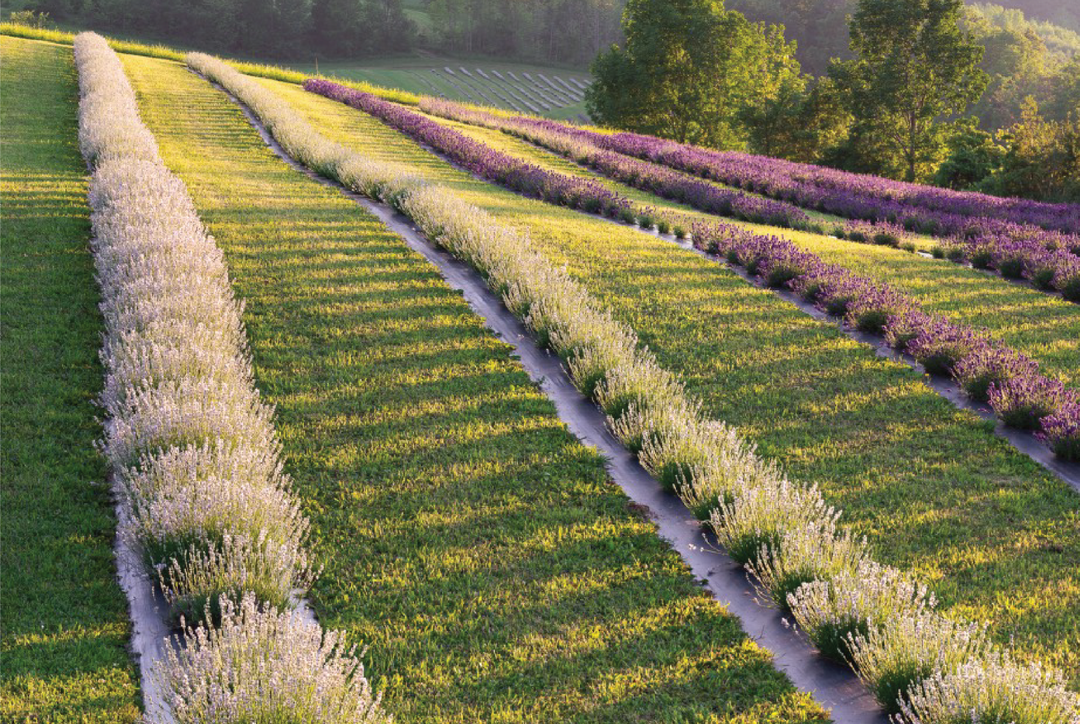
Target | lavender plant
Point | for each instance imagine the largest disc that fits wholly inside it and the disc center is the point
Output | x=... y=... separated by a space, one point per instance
x=910 y=647
x=833 y=612
x=264 y=665
x=992 y=691
x=751 y=504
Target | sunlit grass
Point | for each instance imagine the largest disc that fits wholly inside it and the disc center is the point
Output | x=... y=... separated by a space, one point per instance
x=65 y=626
x=929 y=485
x=481 y=552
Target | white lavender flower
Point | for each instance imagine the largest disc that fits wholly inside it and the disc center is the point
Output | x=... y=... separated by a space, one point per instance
x=263 y=665
x=831 y=612
x=993 y=690
x=908 y=648
x=817 y=551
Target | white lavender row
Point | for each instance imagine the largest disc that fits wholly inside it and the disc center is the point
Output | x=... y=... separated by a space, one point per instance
x=783 y=531
x=191 y=445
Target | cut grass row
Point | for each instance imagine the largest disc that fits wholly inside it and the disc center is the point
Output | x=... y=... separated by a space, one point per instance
x=65 y=618
x=468 y=539
x=1043 y=327
x=935 y=492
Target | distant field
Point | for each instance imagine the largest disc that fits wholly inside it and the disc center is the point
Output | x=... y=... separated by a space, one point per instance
x=535 y=89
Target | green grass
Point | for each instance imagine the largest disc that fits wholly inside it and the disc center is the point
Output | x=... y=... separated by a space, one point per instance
x=469 y=540
x=65 y=624
x=930 y=486
x=1044 y=327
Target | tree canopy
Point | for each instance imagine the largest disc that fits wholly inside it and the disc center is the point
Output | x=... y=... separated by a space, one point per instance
x=688 y=70
x=914 y=70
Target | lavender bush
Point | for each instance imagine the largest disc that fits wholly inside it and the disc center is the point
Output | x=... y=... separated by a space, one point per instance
x=1061 y=431
x=264 y=665
x=995 y=691
x=833 y=612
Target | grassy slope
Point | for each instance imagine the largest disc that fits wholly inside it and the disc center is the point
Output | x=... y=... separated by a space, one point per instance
x=64 y=616
x=476 y=547
x=930 y=486
x=1045 y=327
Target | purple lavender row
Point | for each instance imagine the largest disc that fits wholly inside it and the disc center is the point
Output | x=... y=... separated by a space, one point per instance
x=476 y=157
x=925 y=209
x=987 y=370
x=646 y=176
x=1029 y=259
x=941 y=212
x=1023 y=252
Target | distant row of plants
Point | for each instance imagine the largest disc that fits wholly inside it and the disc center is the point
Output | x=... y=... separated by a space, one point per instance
x=1050 y=259
x=918 y=662
x=987 y=370
x=516 y=175
x=196 y=460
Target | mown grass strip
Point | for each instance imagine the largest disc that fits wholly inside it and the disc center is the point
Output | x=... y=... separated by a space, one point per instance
x=65 y=617
x=469 y=540
x=1043 y=327
x=996 y=536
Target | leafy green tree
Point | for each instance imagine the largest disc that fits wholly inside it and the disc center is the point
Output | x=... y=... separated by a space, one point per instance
x=798 y=124
x=914 y=69
x=689 y=67
x=973 y=158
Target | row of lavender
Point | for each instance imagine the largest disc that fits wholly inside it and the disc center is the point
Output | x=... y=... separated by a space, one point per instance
x=1049 y=259
x=917 y=661
x=919 y=208
x=478 y=158
x=193 y=450
x=987 y=370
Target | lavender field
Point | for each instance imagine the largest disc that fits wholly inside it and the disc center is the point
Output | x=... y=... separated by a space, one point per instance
x=376 y=406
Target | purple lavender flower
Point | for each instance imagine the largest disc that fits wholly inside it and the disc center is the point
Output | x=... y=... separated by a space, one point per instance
x=1061 y=431
x=1022 y=402
x=940 y=345
x=989 y=365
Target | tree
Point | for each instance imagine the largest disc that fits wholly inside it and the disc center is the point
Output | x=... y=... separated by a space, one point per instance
x=973 y=158
x=914 y=69
x=688 y=68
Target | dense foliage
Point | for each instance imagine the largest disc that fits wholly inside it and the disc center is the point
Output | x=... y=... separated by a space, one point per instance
x=687 y=70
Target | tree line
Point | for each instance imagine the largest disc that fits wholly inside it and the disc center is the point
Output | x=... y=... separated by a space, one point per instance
x=560 y=31
x=898 y=104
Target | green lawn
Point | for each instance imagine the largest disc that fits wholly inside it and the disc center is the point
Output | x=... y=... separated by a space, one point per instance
x=1044 y=327
x=469 y=540
x=930 y=486
x=65 y=625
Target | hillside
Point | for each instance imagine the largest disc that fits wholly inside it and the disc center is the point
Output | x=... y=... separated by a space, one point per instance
x=430 y=412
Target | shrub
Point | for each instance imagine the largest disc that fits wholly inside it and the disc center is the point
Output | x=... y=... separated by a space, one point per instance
x=1061 y=431
x=832 y=612
x=989 y=365
x=891 y=659
x=813 y=552
x=262 y=665
x=940 y=345
x=1022 y=402
x=760 y=516
x=991 y=691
